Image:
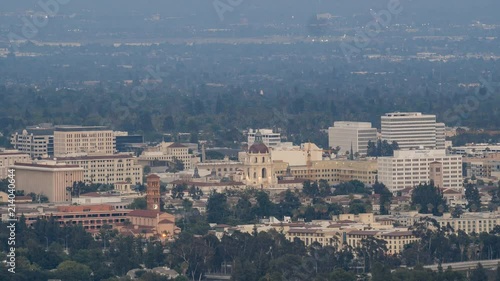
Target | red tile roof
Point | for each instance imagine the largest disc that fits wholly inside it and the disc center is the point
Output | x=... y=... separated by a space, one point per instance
x=177 y=145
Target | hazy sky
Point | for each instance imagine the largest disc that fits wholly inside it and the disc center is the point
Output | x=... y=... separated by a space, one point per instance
x=256 y=10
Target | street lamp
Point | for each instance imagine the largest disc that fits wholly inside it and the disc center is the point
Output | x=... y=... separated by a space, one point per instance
x=65 y=240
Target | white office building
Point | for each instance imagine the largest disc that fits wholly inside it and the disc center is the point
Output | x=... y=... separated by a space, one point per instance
x=269 y=138
x=37 y=141
x=356 y=134
x=409 y=168
x=413 y=130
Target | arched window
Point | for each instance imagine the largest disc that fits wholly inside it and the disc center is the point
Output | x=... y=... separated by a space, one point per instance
x=255 y=161
x=264 y=173
x=254 y=175
x=263 y=159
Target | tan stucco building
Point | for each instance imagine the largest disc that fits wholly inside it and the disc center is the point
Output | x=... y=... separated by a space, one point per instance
x=8 y=158
x=333 y=171
x=151 y=223
x=107 y=169
x=168 y=152
x=78 y=140
x=49 y=179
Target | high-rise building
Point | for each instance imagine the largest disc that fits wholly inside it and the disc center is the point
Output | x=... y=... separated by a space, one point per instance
x=412 y=130
x=48 y=178
x=80 y=140
x=37 y=141
x=269 y=138
x=409 y=168
x=440 y=136
x=347 y=134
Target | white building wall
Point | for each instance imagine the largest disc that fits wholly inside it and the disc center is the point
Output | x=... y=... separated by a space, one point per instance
x=269 y=138
x=410 y=129
x=358 y=134
x=409 y=168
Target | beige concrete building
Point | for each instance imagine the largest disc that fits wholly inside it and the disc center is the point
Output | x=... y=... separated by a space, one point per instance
x=333 y=171
x=48 y=178
x=78 y=140
x=168 y=151
x=409 y=168
x=468 y=222
x=8 y=158
x=396 y=240
x=107 y=169
x=487 y=167
x=296 y=155
x=343 y=230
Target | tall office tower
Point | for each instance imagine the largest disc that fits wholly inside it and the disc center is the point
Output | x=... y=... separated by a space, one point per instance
x=440 y=136
x=347 y=134
x=412 y=130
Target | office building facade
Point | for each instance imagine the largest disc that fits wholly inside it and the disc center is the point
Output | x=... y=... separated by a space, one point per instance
x=37 y=141
x=107 y=169
x=269 y=138
x=409 y=168
x=346 y=134
x=48 y=178
x=413 y=130
x=78 y=140
x=8 y=158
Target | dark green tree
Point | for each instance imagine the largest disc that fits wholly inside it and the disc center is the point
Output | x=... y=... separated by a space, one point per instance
x=473 y=198
x=217 y=208
x=428 y=199
x=478 y=274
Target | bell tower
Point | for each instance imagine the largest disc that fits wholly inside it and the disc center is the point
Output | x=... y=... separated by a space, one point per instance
x=153 y=192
